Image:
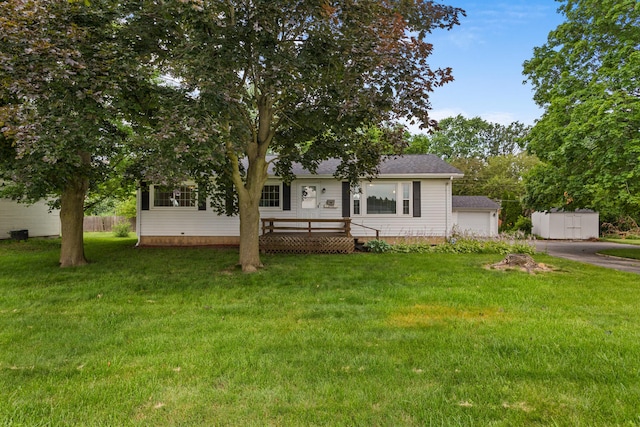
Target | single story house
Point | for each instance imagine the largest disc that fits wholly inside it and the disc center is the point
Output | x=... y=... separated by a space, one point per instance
x=475 y=215
x=581 y=224
x=34 y=220
x=410 y=197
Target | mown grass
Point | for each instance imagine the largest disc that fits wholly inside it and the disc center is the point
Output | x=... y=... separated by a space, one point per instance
x=181 y=337
x=625 y=241
x=622 y=253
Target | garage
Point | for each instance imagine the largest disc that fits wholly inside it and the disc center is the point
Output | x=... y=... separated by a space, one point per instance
x=475 y=215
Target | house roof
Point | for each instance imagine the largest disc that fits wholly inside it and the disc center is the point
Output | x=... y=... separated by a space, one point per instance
x=473 y=202
x=406 y=165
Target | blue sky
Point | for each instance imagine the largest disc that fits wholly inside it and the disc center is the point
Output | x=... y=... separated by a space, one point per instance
x=486 y=53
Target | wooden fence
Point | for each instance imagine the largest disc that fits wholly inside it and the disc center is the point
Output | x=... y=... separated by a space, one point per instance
x=106 y=223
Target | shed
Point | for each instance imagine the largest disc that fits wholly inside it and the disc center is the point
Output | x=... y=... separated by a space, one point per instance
x=35 y=220
x=477 y=215
x=581 y=224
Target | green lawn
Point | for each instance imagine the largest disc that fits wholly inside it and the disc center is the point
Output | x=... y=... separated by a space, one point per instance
x=625 y=241
x=148 y=337
x=622 y=253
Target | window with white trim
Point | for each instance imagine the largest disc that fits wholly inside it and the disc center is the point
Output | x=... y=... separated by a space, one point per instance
x=270 y=196
x=406 y=198
x=382 y=198
x=357 y=196
x=184 y=196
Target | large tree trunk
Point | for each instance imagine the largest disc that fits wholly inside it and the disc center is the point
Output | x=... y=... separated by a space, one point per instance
x=249 y=192
x=71 y=219
x=249 y=236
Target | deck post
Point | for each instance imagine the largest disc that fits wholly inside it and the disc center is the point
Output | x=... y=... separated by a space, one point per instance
x=347 y=226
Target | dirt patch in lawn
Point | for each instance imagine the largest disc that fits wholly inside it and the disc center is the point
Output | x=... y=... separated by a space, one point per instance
x=427 y=315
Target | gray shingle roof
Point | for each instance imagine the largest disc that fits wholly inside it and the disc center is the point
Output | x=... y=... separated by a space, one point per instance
x=473 y=202
x=409 y=164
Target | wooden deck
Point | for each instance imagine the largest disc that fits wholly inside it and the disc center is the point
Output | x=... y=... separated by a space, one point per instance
x=280 y=235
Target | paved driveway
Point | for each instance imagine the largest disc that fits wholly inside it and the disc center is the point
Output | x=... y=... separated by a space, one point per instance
x=586 y=252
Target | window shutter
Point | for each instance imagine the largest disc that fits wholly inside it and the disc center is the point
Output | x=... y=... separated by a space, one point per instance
x=346 y=200
x=416 y=199
x=144 y=187
x=286 y=197
x=229 y=199
x=201 y=194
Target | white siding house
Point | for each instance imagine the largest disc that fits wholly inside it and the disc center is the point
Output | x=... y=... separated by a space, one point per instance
x=582 y=224
x=35 y=218
x=411 y=197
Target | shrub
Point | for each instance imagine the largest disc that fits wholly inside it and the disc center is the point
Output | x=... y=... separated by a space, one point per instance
x=523 y=224
x=127 y=208
x=377 y=246
x=122 y=229
x=467 y=246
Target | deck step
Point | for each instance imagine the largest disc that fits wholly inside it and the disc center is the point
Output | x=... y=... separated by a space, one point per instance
x=359 y=246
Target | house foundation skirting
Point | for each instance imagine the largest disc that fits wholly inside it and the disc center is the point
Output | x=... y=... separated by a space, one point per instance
x=189 y=241
x=235 y=241
x=303 y=244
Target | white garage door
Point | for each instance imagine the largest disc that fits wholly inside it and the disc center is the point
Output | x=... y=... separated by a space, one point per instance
x=478 y=223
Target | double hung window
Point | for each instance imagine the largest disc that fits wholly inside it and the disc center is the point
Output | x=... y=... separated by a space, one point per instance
x=270 y=196
x=182 y=196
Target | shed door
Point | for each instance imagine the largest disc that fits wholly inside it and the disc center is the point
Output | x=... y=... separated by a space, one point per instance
x=573 y=226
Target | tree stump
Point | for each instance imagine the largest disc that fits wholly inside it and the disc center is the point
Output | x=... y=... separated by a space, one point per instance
x=520 y=261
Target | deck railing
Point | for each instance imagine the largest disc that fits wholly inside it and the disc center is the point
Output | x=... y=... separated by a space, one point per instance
x=370 y=228
x=308 y=225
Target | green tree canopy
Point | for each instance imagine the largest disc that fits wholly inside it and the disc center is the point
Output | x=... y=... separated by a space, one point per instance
x=586 y=79
x=492 y=157
x=460 y=137
x=303 y=79
x=65 y=67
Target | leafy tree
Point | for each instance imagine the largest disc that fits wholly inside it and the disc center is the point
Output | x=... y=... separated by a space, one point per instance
x=462 y=138
x=499 y=178
x=64 y=67
x=490 y=155
x=586 y=79
x=303 y=79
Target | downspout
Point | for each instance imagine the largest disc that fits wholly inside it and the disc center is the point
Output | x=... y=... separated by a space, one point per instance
x=446 y=209
x=447 y=206
x=138 y=215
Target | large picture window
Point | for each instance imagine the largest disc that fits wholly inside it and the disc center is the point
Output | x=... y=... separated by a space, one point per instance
x=182 y=196
x=270 y=196
x=382 y=198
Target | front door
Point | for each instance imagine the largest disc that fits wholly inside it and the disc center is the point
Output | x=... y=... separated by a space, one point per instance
x=309 y=201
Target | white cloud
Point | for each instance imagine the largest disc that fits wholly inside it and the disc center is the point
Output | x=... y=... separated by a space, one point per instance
x=500 y=117
x=436 y=115
x=447 y=112
x=464 y=38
